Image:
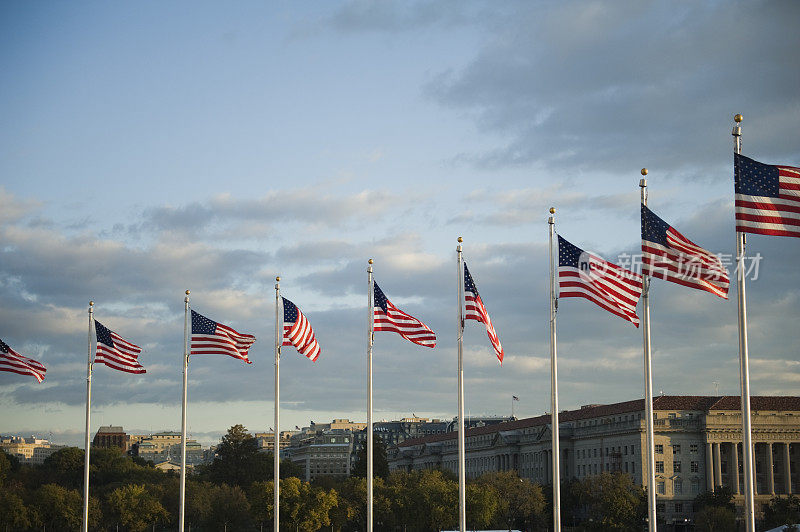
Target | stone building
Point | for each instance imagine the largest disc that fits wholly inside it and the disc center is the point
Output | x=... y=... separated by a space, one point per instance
x=107 y=437
x=697 y=447
x=326 y=453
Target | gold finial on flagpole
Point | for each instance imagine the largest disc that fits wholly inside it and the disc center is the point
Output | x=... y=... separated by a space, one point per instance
x=370 y=261
x=187 y=292
x=460 y=240
x=552 y=210
x=91 y=303
x=738 y=118
x=644 y=171
x=278 y=278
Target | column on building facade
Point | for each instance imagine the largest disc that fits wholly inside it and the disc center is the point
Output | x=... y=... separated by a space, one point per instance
x=717 y=466
x=709 y=467
x=787 y=471
x=734 y=473
x=770 y=470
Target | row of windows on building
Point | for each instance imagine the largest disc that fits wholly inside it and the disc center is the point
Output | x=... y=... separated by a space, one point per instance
x=676 y=448
x=694 y=466
x=677 y=486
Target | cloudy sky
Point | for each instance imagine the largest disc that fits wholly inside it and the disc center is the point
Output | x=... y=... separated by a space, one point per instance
x=152 y=148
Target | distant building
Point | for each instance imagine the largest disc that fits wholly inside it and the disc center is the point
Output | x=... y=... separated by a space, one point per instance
x=697 y=448
x=107 y=437
x=266 y=440
x=166 y=446
x=326 y=453
x=30 y=450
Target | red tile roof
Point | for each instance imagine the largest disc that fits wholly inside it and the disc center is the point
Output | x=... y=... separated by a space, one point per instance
x=665 y=402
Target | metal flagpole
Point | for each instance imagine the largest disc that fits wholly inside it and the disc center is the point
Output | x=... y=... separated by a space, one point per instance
x=648 y=386
x=370 y=335
x=276 y=452
x=556 y=450
x=85 y=522
x=744 y=363
x=181 y=510
x=462 y=484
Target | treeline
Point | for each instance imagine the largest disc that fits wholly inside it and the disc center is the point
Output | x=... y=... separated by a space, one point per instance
x=235 y=492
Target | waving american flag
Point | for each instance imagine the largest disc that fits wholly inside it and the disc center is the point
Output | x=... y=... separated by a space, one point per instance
x=477 y=311
x=767 y=198
x=116 y=352
x=387 y=317
x=13 y=362
x=297 y=331
x=212 y=338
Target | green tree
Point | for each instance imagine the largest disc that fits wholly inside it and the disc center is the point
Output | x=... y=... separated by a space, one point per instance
x=520 y=504
x=238 y=461
x=380 y=464
x=715 y=519
x=60 y=508
x=612 y=502
x=14 y=515
x=228 y=509
x=304 y=507
x=135 y=508
x=782 y=511
x=64 y=467
x=482 y=505
x=721 y=497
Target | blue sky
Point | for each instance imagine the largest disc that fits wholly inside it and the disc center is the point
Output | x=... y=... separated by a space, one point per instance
x=151 y=148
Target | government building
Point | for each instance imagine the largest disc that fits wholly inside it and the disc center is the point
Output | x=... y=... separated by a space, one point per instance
x=698 y=446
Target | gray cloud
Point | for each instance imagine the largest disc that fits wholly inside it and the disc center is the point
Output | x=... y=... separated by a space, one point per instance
x=574 y=85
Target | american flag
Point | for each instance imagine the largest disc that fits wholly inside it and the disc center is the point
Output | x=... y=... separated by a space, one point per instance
x=476 y=311
x=116 y=352
x=297 y=331
x=767 y=198
x=667 y=254
x=12 y=361
x=212 y=338
x=584 y=274
x=387 y=317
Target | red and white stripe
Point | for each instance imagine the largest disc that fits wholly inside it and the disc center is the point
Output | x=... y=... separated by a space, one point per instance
x=13 y=362
x=300 y=335
x=685 y=263
x=225 y=341
x=123 y=355
x=772 y=216
x=409 y=327
x=475 y=310
x=613 y=288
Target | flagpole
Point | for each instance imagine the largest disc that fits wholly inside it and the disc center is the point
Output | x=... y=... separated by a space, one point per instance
x=744 y=363
x=85 y=521
x=556 y=450
x=276 y=452
x=181 y=513
x=648 y=385
x=462 y=483
x=370 y=325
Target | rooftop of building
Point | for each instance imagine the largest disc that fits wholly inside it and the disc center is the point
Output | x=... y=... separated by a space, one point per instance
x=697 y=403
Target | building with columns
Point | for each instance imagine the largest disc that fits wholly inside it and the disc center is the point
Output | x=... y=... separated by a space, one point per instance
x=698 y=446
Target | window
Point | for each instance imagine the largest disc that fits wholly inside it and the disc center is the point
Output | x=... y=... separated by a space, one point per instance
x=633 y=468
x=659 y=467
x=661 y=508
x=672 y=415
x=678 y=507
x=659 y=449
x=676 y=466
x=693 y=448
x=676 y=448
x=694 y=467
x=660 y=488
x=695 y=485
x=678 y=488
x=626 y=467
